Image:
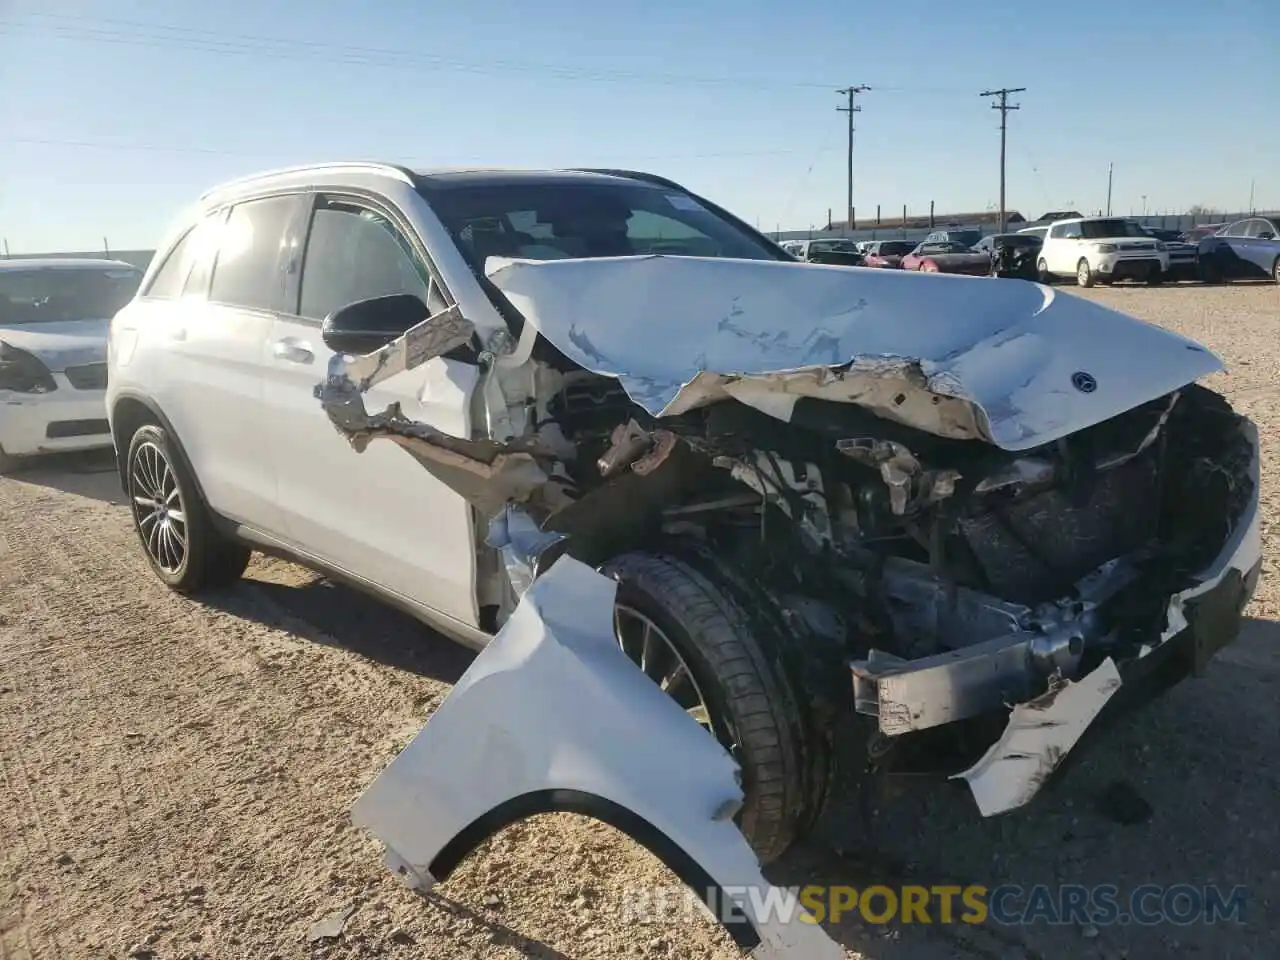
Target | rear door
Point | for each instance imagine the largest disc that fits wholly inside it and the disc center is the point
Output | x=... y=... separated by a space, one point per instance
x=211 y=387
x=375 y=514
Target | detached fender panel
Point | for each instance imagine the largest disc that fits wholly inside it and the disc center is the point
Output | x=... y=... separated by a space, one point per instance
x=552 y=716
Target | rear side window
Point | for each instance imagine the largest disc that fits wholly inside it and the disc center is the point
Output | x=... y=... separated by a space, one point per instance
x=249 y=270
x=354 y=253
x=167 y=282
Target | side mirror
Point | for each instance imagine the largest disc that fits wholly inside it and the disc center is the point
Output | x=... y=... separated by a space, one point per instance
x=366 y=325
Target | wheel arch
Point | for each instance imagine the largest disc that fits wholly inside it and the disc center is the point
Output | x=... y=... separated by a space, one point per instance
x=621 y=818
x=131 y=411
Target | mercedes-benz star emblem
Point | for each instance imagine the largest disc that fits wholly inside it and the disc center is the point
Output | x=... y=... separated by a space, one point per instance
x=1084 y=382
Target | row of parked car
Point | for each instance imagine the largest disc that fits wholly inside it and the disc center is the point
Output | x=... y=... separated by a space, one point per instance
x=1090 y=249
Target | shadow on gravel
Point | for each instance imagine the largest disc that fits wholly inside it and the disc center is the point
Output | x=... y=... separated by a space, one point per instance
x=91 y=474
x=334 y=615
x=1177 y=793
x=501 y=934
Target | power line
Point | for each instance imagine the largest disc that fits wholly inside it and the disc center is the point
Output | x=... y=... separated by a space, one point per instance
x=156 y=35
x=1004 y=106
x=210 y=151
x=137 y=33
x=851 y=109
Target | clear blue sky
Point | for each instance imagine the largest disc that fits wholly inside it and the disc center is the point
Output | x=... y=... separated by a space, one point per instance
x=115 y=113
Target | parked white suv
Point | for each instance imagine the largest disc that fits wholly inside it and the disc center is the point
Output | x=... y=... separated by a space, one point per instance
x=54 y=314
x=1100 y=250
x=841 y=506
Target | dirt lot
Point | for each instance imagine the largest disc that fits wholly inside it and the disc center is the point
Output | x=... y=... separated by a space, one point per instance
x=175 y=777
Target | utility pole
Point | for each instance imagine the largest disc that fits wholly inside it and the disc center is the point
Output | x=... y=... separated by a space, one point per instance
x=851 y=92
x=1110 y=168
x=1004 y=106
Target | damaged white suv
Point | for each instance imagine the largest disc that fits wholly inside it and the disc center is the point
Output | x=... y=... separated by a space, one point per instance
x=842 y=506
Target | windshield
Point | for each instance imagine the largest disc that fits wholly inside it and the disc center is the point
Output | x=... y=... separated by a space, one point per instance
x=557 y=220
x=943 y=246
x=1106 y=229
x=896 y=248
x=55 y=294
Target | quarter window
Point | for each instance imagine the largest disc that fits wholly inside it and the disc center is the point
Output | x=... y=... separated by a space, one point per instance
x=354 y=253
x=186 y=269
x=248 y=271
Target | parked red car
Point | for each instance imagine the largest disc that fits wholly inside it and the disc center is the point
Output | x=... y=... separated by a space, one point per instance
x=887 y=253
x=947 y=256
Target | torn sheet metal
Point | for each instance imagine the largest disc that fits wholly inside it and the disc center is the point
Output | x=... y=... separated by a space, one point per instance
x=515 y=535
x=534 y=726
x=1013 y=363
x=1039 y=735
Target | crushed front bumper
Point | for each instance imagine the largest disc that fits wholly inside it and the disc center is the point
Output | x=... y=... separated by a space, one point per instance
x=912 y=695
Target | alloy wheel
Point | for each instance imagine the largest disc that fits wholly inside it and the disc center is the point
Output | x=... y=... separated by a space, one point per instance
x=158 y=509
x=648 y=647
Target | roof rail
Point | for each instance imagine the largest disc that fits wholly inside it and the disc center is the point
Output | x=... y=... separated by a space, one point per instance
x=391 y=169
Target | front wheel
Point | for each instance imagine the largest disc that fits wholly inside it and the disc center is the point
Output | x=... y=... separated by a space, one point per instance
x=1084 y=274
x=8 y=464
x=1275 y=270
x=1042 y=271
x=1155 y=277
x=693 y=638
x=181 y=543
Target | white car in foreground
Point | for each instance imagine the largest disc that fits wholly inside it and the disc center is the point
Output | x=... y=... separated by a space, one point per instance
x=54 y=315
x=840 y=507
x=1102 y=250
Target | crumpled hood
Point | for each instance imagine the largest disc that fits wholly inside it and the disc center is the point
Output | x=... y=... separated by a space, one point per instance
x=62 y=344
x=1011 y=362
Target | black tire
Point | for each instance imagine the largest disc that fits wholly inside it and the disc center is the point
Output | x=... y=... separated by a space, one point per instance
x=1209 y=272
x=1275 y=270
x=1042 y=271
x=1155 y=277
x=753 y=710
x=208 y=559
x=1084 y=274
x=8 y=464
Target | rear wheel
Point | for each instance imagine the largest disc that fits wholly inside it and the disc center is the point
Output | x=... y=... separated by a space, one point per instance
x=1084 y=274
x=693 y=638
x=176 y=529
x=1155 y=277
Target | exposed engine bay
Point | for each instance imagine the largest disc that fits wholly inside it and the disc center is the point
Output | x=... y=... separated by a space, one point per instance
x=947 y=576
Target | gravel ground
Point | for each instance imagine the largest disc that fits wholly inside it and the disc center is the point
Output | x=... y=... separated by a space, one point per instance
x=175 y=776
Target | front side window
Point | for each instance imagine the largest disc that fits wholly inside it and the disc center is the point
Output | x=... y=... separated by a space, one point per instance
x=354 y=253
x=553 y=220
x=1072 y=231
x=248 y=271
x=1236 y=229
x=59 y=294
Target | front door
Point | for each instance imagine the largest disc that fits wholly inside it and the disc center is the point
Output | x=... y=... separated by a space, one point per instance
x=376 y=514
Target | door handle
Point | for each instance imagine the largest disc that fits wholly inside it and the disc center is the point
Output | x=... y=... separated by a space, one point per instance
x=293 y=350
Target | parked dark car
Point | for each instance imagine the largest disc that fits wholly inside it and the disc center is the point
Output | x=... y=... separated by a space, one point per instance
x=843 y=253
x=1011 y=255
x=888 y=253
x=1247 y=249
x=1183 y=255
